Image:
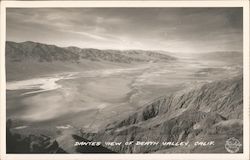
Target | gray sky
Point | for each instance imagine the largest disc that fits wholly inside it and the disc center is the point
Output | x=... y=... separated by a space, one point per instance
x=170 y=29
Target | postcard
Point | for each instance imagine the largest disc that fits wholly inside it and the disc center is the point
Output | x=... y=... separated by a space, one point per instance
x=124 y=80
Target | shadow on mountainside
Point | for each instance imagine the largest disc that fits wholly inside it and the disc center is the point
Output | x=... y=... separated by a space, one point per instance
x=17 y=143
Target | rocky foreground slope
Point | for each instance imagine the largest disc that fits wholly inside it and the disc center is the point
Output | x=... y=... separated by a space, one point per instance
x=212 y=112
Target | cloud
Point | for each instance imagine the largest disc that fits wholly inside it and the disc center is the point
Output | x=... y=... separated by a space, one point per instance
x=97 y=37
x=172 y=29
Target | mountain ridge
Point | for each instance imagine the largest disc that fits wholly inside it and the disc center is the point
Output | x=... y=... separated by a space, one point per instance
x=17 y=52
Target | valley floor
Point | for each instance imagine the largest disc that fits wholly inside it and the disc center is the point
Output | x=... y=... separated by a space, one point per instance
x=91 y=99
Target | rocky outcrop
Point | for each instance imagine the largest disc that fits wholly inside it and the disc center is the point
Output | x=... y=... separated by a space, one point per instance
x=198 y=113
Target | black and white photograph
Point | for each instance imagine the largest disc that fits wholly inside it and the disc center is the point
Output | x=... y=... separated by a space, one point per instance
x=124 y=80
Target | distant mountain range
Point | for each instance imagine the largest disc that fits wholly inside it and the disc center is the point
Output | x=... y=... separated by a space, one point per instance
x=17 y=52
x=232 y=57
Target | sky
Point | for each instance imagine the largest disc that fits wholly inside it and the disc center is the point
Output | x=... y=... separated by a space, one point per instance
x=169 y=29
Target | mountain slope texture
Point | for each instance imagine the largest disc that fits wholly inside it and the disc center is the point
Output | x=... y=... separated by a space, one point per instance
x=17 y=52
x=209 y=112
